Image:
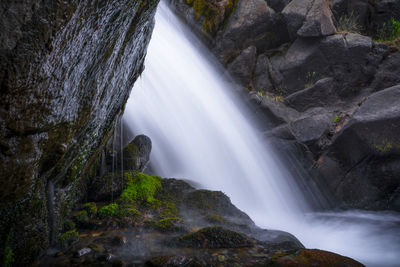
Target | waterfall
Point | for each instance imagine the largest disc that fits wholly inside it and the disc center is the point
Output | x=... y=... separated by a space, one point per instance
x=202 y=132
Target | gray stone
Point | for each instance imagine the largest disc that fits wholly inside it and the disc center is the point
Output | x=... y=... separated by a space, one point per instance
x=374 y=128
x=321 y=94
x=242 y=67
x=310 y=129
x=295 y=14
x=261 y=79
x=318 y=21
x=253 y=23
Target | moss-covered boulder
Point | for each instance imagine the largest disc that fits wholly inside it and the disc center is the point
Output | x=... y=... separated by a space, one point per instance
x=137 y=153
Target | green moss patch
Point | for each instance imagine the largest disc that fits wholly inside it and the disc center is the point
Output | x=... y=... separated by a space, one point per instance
x=141 y=187
x=215 y=15
x=67 y=238
x=110 y=210
x=169 y=224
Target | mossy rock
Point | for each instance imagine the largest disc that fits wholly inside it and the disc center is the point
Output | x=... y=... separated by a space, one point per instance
x=141 y=187
x=67 y=238
x=170 y=224
x=314 y=257
x=215 y=237
x=69 y=225
x=108 y=211
x=81 y=217
x=213 y=14
x=91 y=208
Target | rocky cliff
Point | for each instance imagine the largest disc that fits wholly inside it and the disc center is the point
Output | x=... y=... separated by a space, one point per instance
x=323 y=76
x=66 y=71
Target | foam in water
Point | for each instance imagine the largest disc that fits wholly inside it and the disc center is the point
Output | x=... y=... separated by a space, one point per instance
x=201 y=131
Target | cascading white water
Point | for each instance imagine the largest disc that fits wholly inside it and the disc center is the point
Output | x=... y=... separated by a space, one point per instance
x=201 y=131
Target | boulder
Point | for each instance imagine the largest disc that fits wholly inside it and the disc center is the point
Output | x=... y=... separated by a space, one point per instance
x=321 y=94
x=367 y=150
x=374 y=128
x=388 y=73
x=309 y=129
x=242 y=67
x=316 y=257
x=253 y=23
x=295 y=14
x=137 y=153
x=318 y=21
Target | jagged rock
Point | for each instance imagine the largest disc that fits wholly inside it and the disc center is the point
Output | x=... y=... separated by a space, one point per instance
x=295 y=14
x=318 y=21
x=253 y=23
x=275 y=112
x=242 y=67
x=261 y=80
x=387 y=74
x=374 y=128
x=348 y=59
x=321 y=94
x=365 y=154
x=309 y=129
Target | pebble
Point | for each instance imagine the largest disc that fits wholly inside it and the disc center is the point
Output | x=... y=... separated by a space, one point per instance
x=82 y=252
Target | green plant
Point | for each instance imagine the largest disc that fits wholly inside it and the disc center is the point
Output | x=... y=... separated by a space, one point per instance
x=349 y=23
x=389 y=31
x=168 y=224
x=336 y=119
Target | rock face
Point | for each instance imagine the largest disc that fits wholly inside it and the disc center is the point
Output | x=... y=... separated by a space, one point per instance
x=66 y=70
x=317 y=74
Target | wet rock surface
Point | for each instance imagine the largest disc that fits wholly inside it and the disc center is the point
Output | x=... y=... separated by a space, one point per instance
x=177 y=225
x=66 y=70
x=316 y=64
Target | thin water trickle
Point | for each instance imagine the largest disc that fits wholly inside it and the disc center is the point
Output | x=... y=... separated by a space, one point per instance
x=201 y=131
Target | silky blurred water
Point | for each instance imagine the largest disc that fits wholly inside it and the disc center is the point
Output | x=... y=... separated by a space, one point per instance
x=201 y=131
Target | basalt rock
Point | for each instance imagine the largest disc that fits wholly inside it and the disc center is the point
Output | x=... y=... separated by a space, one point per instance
x=66 y=70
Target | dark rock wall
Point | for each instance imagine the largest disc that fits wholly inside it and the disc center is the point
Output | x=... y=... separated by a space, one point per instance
x=311 y=66
x=66 y=71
